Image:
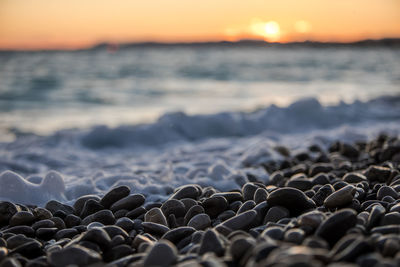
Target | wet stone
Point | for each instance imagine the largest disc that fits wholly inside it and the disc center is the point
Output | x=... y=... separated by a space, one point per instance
x=248 y=191
x=73 y=255
x=54 y=206
x=276 y=213
x=260 y=195
x=292 y=199
x=163 y=253
x=114 y=195
x=91 y=206
x=211 y=243
x=7 y=210
x=340 y=198
x=336 y=225
x=22 y=218
x=200 y=222
x=214 y=205
x=80 y=202
x=187 y=191
x=129 y=202
x=155 y=215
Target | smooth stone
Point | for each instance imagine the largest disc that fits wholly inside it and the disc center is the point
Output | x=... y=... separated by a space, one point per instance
x=17 y=240
x=113 y=230
x=215 y=205
x=105 y=217
x=22 y=218
x=311 y=219
x=46 y=233
x=173 y=206
x=320 y=167
x=163 y=253
x=226 y=215
x=239 y=247
x=90 y=207
x=73 y=255
x=302 y=184
x=248 y=205
x=322 y=194
x=274 y=232
x=354 y=178
x=54 y=206
x=128 y=203
x=80 y=202
x=114 y=195
x=276 y=213
x=241 y=221
x=155 y=215
x=356 y=248
x=117 y=252
x=336 y=225
x=41 y=213
x=193 y=211
x=135 y=213
x=391 y=219
x=72 y=220
x=377 y=212
x=29 y=250
x=378 y=173
x=58 y=222
x=211 y=243
x=295 y=236
x=340 y=198
x=20 y=229
x=155 y=228
x=7 y=210
x=230 y=196
x=187 y=191
x=386 y=191
x=125 y=223
x=292 y=199
x=66 y=233
x=260 y=195
x=98 y=236
x=248 y=191
x=177 y=234
x=200 y=221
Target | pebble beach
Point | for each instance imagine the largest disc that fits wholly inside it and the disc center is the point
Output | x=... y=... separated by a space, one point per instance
x=334 y=207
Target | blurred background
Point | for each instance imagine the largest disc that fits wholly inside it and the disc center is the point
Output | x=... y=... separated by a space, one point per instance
x=66 y=64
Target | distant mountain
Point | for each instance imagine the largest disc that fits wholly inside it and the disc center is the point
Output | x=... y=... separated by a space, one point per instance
x=387 y=42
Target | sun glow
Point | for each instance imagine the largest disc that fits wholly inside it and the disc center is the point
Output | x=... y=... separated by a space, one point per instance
x=270 y=30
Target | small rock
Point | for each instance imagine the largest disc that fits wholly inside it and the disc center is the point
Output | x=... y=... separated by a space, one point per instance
x=340 y=198
x=211 y=243
x=354 y=178
x=7 y=210
x=386 y=191
x=114 y=195
x=54 y=206
x=200 y=222
x=128 y=203
x=241 y=221
x=155 y=215
x=173 y=206
x=80 y=202
x=22 y=218
x=155 y=228
x=73 y=255
x=214 y=205
x=276 y=213
x=163 y=253
x=187 y=191
x=105 y=217
x=292 y=199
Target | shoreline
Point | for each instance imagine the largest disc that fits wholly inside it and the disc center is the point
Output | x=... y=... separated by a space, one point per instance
x=311 y=206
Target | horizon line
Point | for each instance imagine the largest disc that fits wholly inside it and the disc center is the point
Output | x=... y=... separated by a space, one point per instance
x=110 y=45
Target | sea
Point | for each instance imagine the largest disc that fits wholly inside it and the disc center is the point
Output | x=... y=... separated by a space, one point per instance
x=155 y=118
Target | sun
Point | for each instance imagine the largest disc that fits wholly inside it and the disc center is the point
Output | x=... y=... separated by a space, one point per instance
x=269 y=30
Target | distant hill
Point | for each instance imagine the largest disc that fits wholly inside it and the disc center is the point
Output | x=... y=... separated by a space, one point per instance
x=387 y=42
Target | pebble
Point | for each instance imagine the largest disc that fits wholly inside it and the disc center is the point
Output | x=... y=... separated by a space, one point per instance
x=215 y=205
x=200 y=221
x=241 y=221
x=173 y=206
x=22 y=218
x=7 y=210
x=386 y=191
x=91 y=206
x=80 y=202
x=155 y=215
x=105 y=217
x=163 y=253
x=211 y=243
x=128 y=203
x=354 y=178
x=276 y=213
x=178 y=234
x=292 y=199
x=260 y=195
x=187 y=191
x=73 y=255
x=114 y=195
x=336 y=225
x=155 y=228
x=248 y=191
x=54 y=206
x=193 y=211
x=340 y=198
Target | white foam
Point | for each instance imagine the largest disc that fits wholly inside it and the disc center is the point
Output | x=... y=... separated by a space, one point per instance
x=153 y=159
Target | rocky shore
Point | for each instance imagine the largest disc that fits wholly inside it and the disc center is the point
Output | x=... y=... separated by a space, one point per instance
x=339 y=207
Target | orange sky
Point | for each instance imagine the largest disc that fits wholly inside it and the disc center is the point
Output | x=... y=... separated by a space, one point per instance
x=37 y=24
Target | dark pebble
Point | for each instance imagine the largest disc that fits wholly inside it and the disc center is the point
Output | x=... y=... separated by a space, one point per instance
x=129 y=202
x=200 y=221
x=114 y=195
x=173 y=206
x=162 y=253
x=215 y=205
x=73 y=255
x=241 y=221
x=187 y=191
x=155 y=215
x=211 y=243
x=292 y=199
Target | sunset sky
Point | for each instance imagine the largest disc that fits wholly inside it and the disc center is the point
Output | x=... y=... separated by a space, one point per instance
x=38 y=24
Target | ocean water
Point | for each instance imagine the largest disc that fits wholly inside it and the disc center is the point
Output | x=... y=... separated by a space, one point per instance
x=46 y=91
x=76 y=123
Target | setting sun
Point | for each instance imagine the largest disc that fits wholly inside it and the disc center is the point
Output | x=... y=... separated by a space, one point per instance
x=269 y=31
